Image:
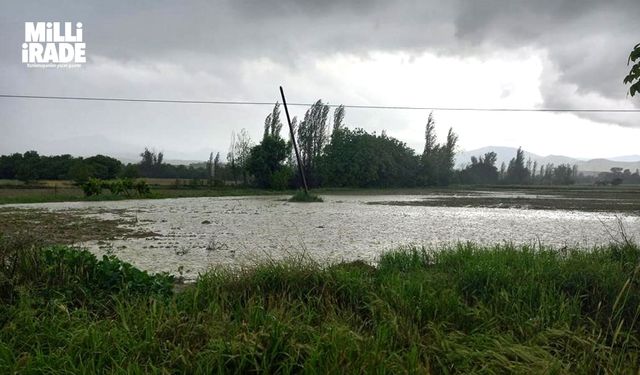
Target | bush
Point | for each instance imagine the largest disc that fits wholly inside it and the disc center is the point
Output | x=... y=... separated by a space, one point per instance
x=92 y=187
x=281 y=178
x=142 y=187
x=302 y=196
x=117 y=187
x=121 y=186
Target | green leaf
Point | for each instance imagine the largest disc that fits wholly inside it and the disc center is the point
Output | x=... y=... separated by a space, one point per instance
x=634 y=88
x=635 y=54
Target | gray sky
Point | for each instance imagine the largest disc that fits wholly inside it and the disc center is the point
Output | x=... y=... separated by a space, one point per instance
x=551 y=53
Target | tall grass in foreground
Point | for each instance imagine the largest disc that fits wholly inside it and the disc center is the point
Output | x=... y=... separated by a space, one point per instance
x=464 y=309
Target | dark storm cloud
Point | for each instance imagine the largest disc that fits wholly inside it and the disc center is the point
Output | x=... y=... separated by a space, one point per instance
x=588 y=41
x=585 y=42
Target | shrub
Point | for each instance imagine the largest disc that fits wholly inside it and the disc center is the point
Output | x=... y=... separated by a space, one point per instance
x=121 y=186
x=92 y=187
x=281 y=178
x=117 y=187
x=142 y=187
x=302 y=196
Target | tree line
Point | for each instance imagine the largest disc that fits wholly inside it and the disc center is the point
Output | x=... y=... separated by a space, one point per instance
x=30 y=166
x=336 y=156
x=331 y=153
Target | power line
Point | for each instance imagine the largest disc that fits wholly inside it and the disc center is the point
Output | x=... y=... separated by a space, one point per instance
x=356 y=106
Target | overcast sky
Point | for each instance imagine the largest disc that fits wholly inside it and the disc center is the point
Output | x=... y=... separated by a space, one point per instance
x=465 y=53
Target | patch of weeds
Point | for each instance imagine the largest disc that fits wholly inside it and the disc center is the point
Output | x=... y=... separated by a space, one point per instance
x=215 y=245
x=65 y=227
x=303 y=197
x=182 y=250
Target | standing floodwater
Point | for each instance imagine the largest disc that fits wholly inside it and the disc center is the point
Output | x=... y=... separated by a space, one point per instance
x=197 y=233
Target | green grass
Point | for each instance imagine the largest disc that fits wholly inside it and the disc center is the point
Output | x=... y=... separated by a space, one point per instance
x=304 y=197
x=464 y=309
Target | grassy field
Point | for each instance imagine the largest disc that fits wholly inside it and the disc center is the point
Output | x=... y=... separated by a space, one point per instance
x=465 y=309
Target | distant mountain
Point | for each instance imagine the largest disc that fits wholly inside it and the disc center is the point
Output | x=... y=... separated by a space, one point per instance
x=505 y=154
x=626 y=158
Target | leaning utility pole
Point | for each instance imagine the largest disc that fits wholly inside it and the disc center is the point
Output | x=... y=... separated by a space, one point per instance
x=295 y=145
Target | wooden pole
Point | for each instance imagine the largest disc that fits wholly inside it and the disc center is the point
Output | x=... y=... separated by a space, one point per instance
x=295 y=145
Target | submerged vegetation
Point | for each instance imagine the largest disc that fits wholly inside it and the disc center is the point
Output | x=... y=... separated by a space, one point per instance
x=303 y=196
x=70 y=226
x=463 y=309
x=623 y=201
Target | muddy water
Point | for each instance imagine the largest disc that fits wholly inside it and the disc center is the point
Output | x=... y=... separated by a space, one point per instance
x=198 y=233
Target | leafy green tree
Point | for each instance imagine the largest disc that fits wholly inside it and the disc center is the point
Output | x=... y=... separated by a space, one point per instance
x=54 y=167
x=312 y=137
x=272 y=123
x=564 y=174
x=534 y=171
x=104 y=167
x=231 y=158
x=517 y=173
x=267 y=158
x=80 y=172
x=9 y=165
x=242 y=153
x=482 y=170
x=437 y=159
x=446 y=159
x=282 y=178
x=130 y=171
x=357 y=158
x=430 y=142
x=216 y=170
x=338 y=118
x=210 y=170
x=633 y=78
x=152 y=164
x=429 y=154
x=29 y=167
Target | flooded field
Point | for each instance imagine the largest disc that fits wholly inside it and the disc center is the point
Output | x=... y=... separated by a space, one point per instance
x=190 y=235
